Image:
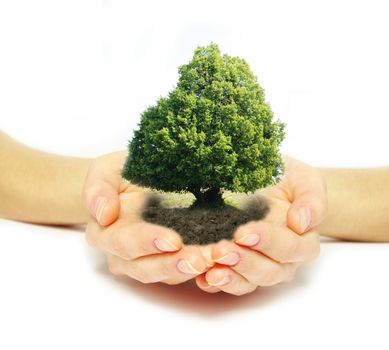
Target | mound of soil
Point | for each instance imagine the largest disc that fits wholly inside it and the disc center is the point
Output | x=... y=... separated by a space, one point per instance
x=205 y=225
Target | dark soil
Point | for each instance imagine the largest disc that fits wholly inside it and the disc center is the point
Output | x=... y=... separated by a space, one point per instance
x=205 y=225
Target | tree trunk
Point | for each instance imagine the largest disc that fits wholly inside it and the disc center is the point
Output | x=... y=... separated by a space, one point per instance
x=209 y=197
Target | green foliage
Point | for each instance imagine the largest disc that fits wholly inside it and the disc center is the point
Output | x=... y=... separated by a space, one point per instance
x=213 y=131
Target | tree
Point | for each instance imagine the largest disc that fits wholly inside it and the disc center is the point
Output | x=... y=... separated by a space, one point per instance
x=213 y=132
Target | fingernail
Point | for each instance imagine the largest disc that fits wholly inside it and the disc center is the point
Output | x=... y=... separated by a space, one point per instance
x=165 y=245
x=208 y=286
x=225 y=280
x=186 y=267
x=249 y=240
x=99 y=207
x=305 y=218
x=228 y=259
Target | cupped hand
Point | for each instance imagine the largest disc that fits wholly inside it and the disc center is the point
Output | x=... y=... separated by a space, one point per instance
x=269 y=251
x=146 y=252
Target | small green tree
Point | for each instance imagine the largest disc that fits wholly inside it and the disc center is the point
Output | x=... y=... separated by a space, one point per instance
x=213 y=132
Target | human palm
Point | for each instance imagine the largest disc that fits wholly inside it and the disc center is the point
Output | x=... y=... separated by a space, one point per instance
x=269 y=251
x=143 y=251
x=152 y=253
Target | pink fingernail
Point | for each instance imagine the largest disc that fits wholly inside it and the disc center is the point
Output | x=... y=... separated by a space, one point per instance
x=305 y=218
x=228 y=259
x=165 y=245
x=249 y=239
x=186 y=267
x=99 y=207
x=225 y=280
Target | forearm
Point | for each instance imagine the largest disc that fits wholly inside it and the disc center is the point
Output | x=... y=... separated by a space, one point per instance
x=40 y=187
x=358 y=204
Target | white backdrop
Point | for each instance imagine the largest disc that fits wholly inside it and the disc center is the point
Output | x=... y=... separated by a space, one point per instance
x=75 y=76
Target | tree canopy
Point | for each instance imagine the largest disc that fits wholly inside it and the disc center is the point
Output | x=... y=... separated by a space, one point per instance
x=213 y=132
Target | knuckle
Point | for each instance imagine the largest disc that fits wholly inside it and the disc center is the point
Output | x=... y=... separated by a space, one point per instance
x=290 y=252
x=291 y=274
x=219 y=249
x=113 y=267
x=119 y=247
x=147 y=279
x=144 y=245
x=250 y=265
x=267 y=278
x=136 y=275
x=166 y=271
x=142 y=275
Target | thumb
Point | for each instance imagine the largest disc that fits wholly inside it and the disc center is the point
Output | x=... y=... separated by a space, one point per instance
x=102 y=187
x=308 y=207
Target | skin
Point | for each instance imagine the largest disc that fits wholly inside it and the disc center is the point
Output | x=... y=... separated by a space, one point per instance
x=263 y=264
x=269 y=251
x=359 y=205
x=45 y=188
x=41 y=187
x=144 y=251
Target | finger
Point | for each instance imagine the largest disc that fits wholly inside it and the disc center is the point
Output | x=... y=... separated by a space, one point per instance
x=255 y=267
x=229 y=281
x=203 y=285
x=206 y=250
x=133 y=201
x=133 y=240
x=167 y=268
x=101 y=188
x=278 y=242
x=309 y=200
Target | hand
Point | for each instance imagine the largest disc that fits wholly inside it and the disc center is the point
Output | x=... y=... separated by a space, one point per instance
x=269 y=251
x=144 y=251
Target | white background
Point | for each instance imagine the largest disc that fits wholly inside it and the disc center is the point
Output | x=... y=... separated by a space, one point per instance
x=75 y=77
